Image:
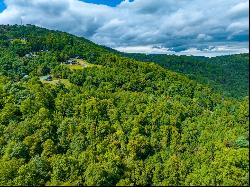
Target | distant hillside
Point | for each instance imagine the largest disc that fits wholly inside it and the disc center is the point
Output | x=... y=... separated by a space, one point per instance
x=227 y=74
x=76 y=113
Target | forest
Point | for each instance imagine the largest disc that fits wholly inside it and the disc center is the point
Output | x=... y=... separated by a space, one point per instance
x=228 y=74
x=76 y=113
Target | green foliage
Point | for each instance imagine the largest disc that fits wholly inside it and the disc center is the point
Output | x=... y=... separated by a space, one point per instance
x=242 y=142
x=77 y=78
x=36 y=172
x=226 y=74
x=118 y=122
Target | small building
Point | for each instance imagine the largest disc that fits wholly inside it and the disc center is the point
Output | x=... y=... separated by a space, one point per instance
x=25 y=76
x=49 y=78
x=46 y=78
x=29 y=55
x=71 y=62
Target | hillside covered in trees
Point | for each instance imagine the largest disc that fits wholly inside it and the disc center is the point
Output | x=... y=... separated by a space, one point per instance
x=76 y=113
x=228 y=75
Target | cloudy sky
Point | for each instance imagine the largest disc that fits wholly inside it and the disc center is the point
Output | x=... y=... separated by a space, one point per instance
x=191 y=27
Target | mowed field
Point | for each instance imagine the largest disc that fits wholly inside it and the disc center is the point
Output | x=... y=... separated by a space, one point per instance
x=81 y=64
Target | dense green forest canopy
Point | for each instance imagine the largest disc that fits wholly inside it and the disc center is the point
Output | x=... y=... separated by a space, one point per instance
x=110 y=120
x=227 y=74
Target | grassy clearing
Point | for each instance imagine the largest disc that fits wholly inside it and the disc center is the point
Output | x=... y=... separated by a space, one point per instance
x=57 y=81
x=75 y=67
x=82 y=64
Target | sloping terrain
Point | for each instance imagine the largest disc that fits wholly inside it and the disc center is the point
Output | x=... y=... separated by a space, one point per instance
x=228 y=75
x=117 y=121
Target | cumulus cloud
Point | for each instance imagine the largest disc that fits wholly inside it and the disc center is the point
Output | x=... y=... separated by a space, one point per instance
x=210 y=51
x=145 y=49
x=162 y=26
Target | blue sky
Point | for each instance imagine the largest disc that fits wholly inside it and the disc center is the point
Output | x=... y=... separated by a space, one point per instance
x=190 y=27
x=112 y=3
x=2 y=6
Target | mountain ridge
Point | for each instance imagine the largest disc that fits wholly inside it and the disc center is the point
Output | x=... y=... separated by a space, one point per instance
x=74 y=113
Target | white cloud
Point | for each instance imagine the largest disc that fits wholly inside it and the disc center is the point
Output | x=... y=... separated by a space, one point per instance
x=214 y=51
x=144 y=49
x=181 y=25
x=240 y=9
x=204 y=37
x=211 y=51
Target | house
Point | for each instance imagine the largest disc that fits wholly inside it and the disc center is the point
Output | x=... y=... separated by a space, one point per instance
x=71 y=62
x=49 y=78
x=46 y=78
x=25 y=76
x=29 y=55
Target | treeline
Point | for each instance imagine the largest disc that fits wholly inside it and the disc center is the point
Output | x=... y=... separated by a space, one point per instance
x=227 y=74
x=122 y=122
